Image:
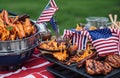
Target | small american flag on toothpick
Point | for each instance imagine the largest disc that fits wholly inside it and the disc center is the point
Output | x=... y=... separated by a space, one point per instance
x=79 y=38
x=48 y=12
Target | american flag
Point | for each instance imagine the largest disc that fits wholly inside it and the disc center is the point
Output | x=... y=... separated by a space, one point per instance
x=67 y=33
x=78 y=37
x=48 y=12
x=105 y=41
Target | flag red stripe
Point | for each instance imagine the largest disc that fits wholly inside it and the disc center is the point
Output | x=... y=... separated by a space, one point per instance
x=53 y=4
x=48 y=16
x=78 y=35
x=106 y=46
x=80 y=43
x=47 y=13
x=107 y=52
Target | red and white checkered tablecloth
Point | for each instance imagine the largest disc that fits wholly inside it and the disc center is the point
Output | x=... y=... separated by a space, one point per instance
x=35 y=67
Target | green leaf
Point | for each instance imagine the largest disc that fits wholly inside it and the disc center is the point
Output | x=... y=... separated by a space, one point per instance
x=9 y=28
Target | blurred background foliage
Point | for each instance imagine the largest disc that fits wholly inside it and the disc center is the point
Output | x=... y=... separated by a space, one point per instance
x=70 y=12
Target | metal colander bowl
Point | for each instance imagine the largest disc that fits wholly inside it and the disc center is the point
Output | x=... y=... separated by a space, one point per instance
x=15 y=52
x=20 y=44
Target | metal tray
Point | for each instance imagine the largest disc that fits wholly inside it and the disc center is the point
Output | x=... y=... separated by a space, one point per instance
x=114 y=74
x=62 y=72
x=42 y=49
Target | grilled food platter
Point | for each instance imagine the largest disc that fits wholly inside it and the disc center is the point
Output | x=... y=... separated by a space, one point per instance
x=90 y=66
x=86 y=62
x=82 y=70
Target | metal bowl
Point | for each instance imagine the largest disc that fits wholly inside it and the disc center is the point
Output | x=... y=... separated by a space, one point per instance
x=20 y=44
x=46 y=35
x=44 y=32
x=15 y=52
x=15 y=59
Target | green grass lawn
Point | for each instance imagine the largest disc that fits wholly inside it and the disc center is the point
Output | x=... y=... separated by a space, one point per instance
x=70 y=11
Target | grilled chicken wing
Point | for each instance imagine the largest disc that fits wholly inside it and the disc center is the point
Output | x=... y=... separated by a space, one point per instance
x=106 y=68
x=94 y=67
x=113 y=60
x=90 y=67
